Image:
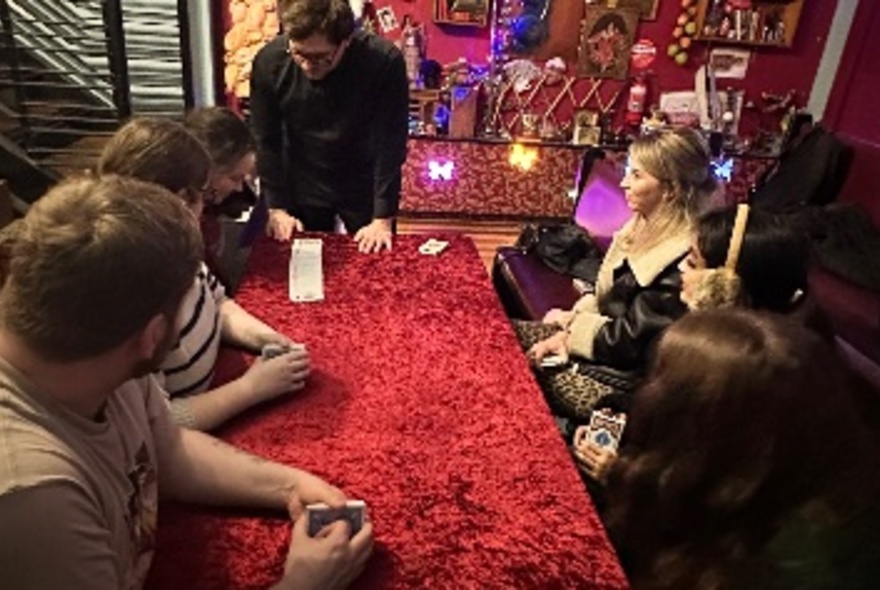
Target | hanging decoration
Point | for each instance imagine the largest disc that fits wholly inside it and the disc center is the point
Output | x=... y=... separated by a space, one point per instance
x=526 y=96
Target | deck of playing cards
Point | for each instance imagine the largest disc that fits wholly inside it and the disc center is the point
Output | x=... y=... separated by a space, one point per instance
x=270 y=351
x=605 y=429
x=321 y=515
x=306 y=270
x=553 y=360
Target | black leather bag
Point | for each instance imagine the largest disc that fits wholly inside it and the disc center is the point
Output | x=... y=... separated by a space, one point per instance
x=565 y=248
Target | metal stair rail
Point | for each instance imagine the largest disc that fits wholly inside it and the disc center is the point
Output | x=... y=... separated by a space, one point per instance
x=71 y=70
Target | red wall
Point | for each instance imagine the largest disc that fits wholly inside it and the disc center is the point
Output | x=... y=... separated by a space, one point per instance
x=772 y=70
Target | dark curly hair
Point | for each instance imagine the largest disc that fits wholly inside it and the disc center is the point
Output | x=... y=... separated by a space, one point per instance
x=300 y=19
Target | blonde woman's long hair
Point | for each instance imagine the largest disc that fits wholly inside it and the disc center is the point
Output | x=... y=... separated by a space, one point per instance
x=679 y=158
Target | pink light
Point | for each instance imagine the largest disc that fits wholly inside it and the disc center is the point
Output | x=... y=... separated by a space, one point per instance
x=440 y=170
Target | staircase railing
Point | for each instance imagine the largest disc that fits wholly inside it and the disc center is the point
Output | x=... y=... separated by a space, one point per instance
x=71 y=70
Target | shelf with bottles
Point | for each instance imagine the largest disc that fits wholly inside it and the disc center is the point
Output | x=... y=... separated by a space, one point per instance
x=763 y=23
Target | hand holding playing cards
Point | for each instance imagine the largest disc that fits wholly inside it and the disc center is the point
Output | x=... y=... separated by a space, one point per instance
x=272 y=337
x=555 y=345
x=596 y=460
x=311 y=489
x=330 y=560
x=266 y=379
x=558 y=316
x=282 y=225
x=375 y=236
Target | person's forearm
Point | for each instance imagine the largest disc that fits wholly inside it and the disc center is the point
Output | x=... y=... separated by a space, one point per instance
x=386 y=196
x=212 y=408
x=241 y=328
x=582 y=333
x=202 y=469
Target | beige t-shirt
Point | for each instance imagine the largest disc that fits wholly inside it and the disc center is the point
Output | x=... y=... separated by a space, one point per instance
x=78 y=498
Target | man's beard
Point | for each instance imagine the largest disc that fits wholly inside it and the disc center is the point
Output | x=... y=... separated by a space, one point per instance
x=152 y=364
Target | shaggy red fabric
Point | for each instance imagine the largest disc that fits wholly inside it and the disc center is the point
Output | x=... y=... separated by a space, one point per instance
x=420 y=403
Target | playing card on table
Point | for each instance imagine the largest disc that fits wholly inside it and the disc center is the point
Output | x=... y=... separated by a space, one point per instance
x=433 y=247
x=306 y=274
x=320 y=515
x=605 y=429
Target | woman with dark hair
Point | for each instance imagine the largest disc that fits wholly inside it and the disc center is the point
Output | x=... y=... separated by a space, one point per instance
x=747 y=464
x=766 y=259
x=740 y=257
x=231 y=147
x=166 y=153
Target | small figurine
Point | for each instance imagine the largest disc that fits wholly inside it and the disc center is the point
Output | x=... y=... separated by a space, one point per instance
x=412 y=45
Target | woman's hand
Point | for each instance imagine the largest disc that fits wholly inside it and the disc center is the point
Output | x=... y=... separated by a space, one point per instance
x=596 y=460
x=555 y=345
x=282 y=225
x=559 y=317
x=266 y=379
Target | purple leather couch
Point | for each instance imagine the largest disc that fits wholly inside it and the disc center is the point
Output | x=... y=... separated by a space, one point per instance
x=854 y=311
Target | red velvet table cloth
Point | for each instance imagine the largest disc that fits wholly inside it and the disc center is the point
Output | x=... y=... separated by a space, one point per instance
x=420 y=403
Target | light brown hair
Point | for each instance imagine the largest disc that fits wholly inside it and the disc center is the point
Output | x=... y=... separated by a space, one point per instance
x=300 y=19
x=93 y=261
x=745 y=419
x=159 y=151
x=225 y=136
x=679 y=158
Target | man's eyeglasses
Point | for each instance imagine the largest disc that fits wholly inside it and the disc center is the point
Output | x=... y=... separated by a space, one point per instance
x=312 y=59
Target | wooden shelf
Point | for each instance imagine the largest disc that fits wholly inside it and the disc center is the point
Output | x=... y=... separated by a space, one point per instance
x=768 y=24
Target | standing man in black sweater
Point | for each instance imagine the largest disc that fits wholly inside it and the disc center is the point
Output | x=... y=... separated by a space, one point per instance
x=329 y=109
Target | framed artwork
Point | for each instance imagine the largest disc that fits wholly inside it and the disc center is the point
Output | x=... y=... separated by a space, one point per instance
x=607 y=36
x=647 y=9
x=586 y=127
x=473 y=13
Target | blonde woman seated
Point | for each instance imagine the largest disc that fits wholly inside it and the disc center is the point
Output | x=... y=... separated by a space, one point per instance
x=637 y=293
x=740 y=257
x=165 y=153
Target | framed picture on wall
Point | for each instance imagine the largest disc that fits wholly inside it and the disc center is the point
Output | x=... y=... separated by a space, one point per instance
x=474 y=13
x=586 y=127
x=607 y=36
x=647 y=9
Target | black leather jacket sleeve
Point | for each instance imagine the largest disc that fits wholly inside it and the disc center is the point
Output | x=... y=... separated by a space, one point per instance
x=637 y=316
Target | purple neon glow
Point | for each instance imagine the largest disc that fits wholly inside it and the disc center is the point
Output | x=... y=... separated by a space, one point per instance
x=440 y=170
x=601 y=208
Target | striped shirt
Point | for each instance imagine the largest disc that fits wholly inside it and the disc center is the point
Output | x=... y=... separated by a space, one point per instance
x=189 y=366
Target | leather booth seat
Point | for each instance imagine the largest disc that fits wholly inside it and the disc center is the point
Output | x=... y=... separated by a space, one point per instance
x=526 y=286
x=854 y=311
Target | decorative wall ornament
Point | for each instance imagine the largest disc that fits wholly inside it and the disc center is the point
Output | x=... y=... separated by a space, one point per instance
x=606 y=40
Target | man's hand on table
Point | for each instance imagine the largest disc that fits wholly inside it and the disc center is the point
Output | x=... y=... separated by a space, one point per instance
x=375 y=236
x=328 y=561
x=282 y=225
x=311 y=489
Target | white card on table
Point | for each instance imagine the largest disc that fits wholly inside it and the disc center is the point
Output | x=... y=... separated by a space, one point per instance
x=306 y=270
